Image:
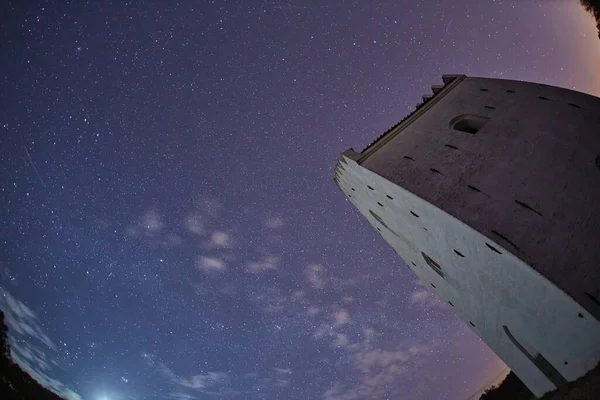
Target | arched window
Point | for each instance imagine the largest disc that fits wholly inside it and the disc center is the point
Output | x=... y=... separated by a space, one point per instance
x=468 y=123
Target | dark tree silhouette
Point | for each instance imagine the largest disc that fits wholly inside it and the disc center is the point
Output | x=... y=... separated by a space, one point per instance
x=510 y=388
x=593 y=7
x=16 y=384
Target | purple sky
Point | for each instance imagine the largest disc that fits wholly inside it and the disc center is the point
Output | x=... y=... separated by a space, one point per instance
x=170 y=224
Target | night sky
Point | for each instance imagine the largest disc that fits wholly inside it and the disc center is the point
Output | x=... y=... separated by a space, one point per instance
x=170 y=225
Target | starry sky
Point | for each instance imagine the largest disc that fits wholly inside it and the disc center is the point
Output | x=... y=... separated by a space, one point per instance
x=170 y=225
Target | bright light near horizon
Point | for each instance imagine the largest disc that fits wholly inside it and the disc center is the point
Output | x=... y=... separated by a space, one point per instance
x=104 y=398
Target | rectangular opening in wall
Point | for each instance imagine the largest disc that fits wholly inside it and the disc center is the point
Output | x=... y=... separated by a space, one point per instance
x=434 y=265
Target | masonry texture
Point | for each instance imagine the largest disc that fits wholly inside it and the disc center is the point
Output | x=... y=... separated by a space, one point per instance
x=490 y=192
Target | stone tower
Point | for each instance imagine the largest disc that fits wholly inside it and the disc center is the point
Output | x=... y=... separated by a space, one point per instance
x=490 y=193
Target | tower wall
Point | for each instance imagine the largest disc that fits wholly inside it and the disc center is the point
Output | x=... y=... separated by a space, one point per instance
x=499 y=213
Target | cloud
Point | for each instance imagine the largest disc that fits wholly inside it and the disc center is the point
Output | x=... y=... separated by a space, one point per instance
x=29 y=354
x=210 y=264
x=282 y=377
x=270 y=262
x=29 y=345
x=424 y=298
x=312 y=311
x=341 y=317
x=275 y=222
x=193 y=224
x=202 y=383
x=151 y=223
x=21 y=320
x=314 y=275
x=181 y=396
x=377 y=370
x=219 y=239
x=340 y=340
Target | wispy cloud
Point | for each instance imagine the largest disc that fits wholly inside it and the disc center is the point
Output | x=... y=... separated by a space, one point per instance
x=219 y=240
x=314 y=275
x=202 y=383
x=210 y=264
x=270 y=262
x=31 y=349
x=21 y=319
x=377 y=370
x=425 y=298
x=193 y=223
x=275 y=222
x=151 y=222
x=341 y=317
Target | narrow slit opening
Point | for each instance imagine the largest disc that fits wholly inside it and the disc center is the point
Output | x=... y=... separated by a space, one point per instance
x=528 y=207
x=505 y=238
x=492 y=248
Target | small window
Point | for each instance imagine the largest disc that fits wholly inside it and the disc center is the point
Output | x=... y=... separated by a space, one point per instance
x=435 y=266
x=543 y=98
x=490 y=107
x=452 y=147
x=389 y=197
x=451 y=303
x=409 y=158
x=353 y=190
x=472 y=324
x=380 y=204
x=574 y=105
x=414 y=214
x=468 y=123
x=510 y=91
x=432 y=285
x=598 y=162
x=458 y=252
x=483 y=90
x=580 y=315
